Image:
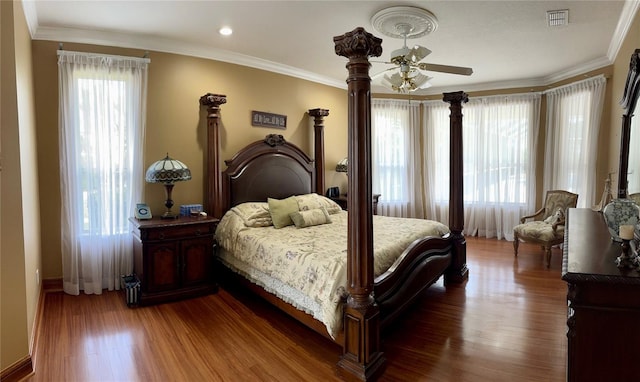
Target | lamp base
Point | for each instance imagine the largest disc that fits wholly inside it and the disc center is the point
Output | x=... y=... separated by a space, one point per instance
x=169 y=215
x=168 y=187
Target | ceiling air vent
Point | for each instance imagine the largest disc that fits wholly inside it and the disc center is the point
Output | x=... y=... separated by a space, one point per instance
x=557 y=18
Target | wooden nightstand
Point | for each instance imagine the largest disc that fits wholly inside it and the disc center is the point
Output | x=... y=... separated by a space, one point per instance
x=342 y=202
x=173 y=258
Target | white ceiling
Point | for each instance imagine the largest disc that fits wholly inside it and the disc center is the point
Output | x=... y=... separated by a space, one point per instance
x=507 y=43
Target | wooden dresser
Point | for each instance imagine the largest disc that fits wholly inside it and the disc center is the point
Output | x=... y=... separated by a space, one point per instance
x=603 y=304
x=174 y=257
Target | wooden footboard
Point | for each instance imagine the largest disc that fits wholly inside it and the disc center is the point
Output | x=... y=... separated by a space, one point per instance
x=419 y=266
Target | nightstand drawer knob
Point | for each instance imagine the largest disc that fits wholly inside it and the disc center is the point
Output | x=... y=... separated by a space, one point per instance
x=198 y=232
x=161 y=236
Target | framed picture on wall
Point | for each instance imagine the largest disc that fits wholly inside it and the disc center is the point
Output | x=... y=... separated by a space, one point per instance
x=264 y=119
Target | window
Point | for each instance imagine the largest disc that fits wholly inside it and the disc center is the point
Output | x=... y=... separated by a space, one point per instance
x=499 y=142
x=573 y=123
x=102 y=111
x=499 y=148
x=390 y=154
x=105 y=164
x=395 y=142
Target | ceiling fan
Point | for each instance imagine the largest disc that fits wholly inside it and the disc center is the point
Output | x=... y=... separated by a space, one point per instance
x=410 y=22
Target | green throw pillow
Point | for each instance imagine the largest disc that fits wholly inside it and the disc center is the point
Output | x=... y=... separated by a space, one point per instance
x=280 y=210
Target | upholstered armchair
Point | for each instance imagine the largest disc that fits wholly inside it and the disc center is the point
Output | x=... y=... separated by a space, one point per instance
x=547 y=228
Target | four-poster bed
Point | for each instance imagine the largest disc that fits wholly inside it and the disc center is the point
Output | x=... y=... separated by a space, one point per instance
x=274 y=168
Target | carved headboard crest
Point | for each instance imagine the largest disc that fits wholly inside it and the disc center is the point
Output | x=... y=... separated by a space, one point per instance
x=274 y=140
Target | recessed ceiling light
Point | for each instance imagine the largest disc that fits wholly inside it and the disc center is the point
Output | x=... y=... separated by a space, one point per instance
x=225 y=31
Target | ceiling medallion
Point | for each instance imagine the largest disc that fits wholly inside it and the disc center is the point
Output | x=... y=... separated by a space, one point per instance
x=396 y=21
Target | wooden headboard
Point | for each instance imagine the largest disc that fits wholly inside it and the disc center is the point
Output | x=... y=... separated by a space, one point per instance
x=268 y=168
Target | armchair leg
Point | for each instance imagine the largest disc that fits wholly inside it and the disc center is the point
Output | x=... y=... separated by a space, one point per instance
x=516 y=243
x=548 y=255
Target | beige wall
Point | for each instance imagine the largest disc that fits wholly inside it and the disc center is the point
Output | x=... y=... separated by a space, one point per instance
x=20 y=226
x=28 y=164
x=176 y=123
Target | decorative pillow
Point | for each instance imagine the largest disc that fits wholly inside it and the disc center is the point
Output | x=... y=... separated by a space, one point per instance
x=314 y=201
x=556 y=218
x=254 y=214
x=310 y=218
x=280 y=210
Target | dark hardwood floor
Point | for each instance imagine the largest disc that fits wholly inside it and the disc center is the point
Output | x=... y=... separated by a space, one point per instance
x=506 y=323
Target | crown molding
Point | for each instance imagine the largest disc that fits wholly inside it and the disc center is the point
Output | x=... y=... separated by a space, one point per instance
x=155 y=43
x=31 y=16
x=629 y=10
x=147 y=42
x=526 y=82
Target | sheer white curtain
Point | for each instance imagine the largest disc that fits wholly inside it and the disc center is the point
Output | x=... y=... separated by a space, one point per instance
x=396 y=154
x=499 y=140
x=573 y=124
x=101 y=120
x=436 y=159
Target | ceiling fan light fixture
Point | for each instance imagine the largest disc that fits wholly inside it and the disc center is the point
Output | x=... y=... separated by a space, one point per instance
x=406 y=83
x=409 y=22
x=421 y=81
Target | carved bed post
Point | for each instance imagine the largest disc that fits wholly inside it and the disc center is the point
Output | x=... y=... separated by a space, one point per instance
x=458 y=270
x=213 y=191
x=362 y=358
x=318 y=129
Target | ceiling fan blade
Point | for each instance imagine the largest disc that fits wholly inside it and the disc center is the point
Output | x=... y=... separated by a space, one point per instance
x=398 y=55
x=446 y=69
x=417 y=53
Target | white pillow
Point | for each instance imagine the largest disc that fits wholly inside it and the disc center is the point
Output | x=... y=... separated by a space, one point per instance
x=314 y=201
x=254 y=214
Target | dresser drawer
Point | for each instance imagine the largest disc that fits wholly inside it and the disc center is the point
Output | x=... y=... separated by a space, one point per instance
x=175 y=232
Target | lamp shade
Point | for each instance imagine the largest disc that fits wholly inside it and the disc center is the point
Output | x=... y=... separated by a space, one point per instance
x=167 y=170
x=343 y=165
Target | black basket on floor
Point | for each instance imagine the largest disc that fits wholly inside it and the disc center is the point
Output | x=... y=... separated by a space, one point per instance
x=131 y=288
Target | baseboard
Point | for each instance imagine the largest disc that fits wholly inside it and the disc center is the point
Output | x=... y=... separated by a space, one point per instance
x=47 y=286
x=25 y=367
x=18 y=371
x=52 y=285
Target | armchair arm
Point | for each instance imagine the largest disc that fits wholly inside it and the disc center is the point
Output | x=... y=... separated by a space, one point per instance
x=524 y=218
x=560 y=222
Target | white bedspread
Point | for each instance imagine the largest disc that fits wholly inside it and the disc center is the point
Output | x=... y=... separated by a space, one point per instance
x=306 y=267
